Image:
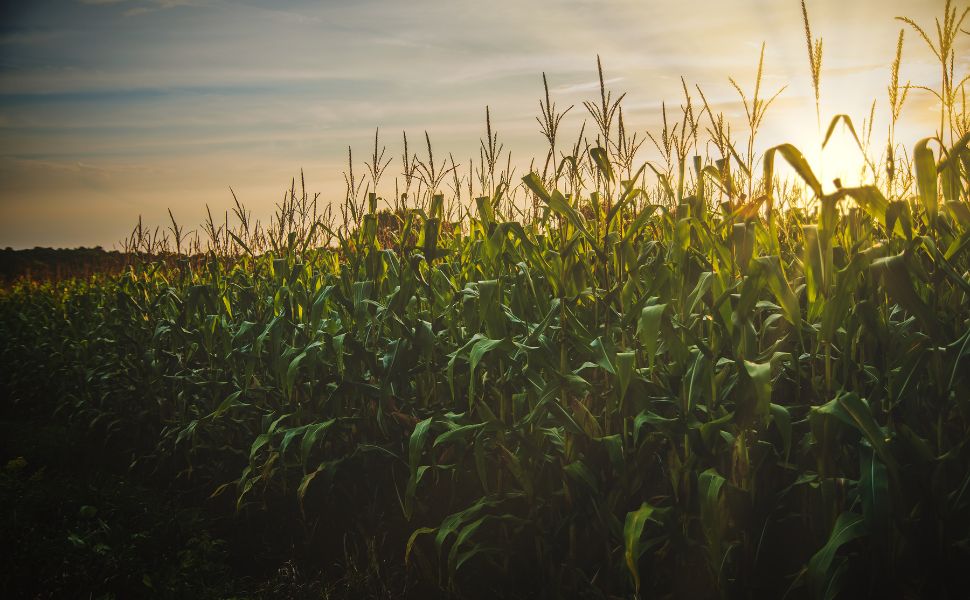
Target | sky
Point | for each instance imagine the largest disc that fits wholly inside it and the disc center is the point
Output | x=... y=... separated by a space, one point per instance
x=115 y=109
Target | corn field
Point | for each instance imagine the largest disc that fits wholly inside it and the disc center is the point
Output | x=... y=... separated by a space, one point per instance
x=684 y=378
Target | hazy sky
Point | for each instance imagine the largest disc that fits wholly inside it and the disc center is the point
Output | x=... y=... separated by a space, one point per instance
x=110 y=109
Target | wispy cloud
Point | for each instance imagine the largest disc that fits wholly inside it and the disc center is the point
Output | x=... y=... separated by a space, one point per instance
x=30 y=37
x=141 y=6
x=157 y=5
x=586 y=86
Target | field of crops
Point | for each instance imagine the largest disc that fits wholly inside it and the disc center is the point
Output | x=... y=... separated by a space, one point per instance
x=684 y=379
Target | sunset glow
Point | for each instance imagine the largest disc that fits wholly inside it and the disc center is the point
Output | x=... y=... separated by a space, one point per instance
x=111 y=109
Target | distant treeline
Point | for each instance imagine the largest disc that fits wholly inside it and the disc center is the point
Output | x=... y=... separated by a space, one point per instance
x=44 y=264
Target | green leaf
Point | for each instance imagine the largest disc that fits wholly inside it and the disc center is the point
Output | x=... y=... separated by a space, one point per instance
x=817 y=255
x=301 y=490
x=713 y=519
x=774 y=276
x=899 y=218
x=782 y=419
x=664 y=181
x=625 y=364
x=926 y=178
x=632 y=531
x=463 y=536
x=558 y=204
x=413 y=538
x=895 y=275
x=648 y=329
x=848 y=527
x=760 y=374
x=229 y=402
x=463 y=431
x=874 y=490
x=601 y=356
x=288 y=436
x=958 y=245
x=260 y=441
x=485 y=212
x=415 y=449
x=872 y=201
x=292 y=371
x=641 y=220
x=602 y=162
x=311 y=437
x=742 y=241
x=630 y=192
x=490 y=307
x=794 y=157
x=533 y=182
x=475 y=356
x=848 y=123
x=431 y=228
x=518 y=471
x=961 y=214
x=861 y=417
x=578 y=471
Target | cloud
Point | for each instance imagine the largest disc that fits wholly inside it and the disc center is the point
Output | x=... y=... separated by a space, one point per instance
x=29 y=38
x=157 y=5
x=143 y=6
x=585 y=86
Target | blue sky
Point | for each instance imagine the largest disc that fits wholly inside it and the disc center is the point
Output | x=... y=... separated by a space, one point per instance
x=111 y=109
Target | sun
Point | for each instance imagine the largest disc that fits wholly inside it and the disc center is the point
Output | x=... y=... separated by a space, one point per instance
x=841 y=158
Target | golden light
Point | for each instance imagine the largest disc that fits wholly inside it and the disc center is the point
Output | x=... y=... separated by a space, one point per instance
x=842 y=159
